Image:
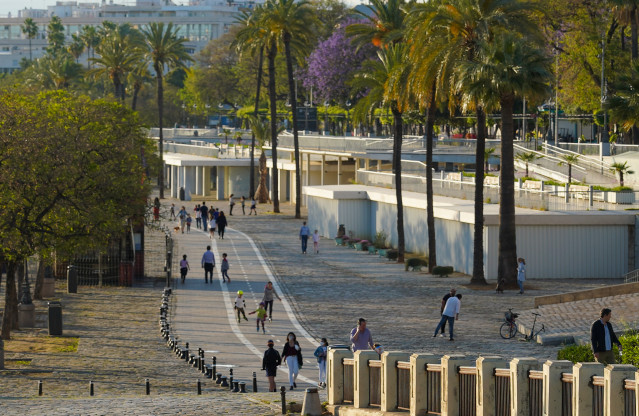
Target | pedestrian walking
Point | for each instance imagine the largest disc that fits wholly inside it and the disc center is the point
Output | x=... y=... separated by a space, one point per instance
x=184 y=268
x=243 y=201
x=361 y=337
x=316 y=240
x=215 y=214
x=253 y=206
x=156 y=214
x=602 y=336
x=231 y=204
x=521 y=274
x=304 y=234
x=261 y=316
x=182 y=216
x=321 y=353
x=450 y=314
x=225 y=269
x=221 y=224
x=208 y=263
x=441 y=311
x=204 y=212
x=189 y=220
x=239 y=306
x=198 y=217
x=270 y=362
x=269 y=293
x=292 y=355
x=172 y=212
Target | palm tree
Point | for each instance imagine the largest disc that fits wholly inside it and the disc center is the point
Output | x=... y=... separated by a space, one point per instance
x=290 y=22
x=526 y=158
x=226 y=133
x=165 y=51
x=567 y=160
x=261 y=133
x=621 y=169
x=384 y=23
x=138 y=77
x=76 y=47
x=623 y=105
x=487 y=154
x=30 y=28
x=507 y=67
x=89 y=35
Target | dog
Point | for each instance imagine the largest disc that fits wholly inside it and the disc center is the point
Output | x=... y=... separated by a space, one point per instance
x=500 y=286
x=176 y=229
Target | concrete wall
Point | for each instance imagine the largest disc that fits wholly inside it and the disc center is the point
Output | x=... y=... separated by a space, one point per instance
x=239 y=181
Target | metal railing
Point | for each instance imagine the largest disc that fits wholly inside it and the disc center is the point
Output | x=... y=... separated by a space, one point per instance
x=632 y=277
x=587 y=162
x=597 y=396
x=593 y=148
x=502 y=392
x=375 y=383
x=630 y=398
x=349 y=379
x=403 y=385
x=467 y=390
x=567 y=380
x=433 y=389
x=536 y=392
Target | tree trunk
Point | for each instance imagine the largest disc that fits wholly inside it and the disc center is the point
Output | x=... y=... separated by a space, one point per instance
x=507 y=262
x=430 y=214
x=569 y=174
x=478 y=242
x=134 y=99
x=272 y=51
x=296 y=143
x=37 y=291
x=621 y=178
x=10 y=303
x=634 y=51
x=262 y=191
x=397 y=168
x=158 y=71
x=257 y=108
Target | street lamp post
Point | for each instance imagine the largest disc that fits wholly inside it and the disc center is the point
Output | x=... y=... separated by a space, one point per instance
x=326 y=130
x=306 y=106
x=348 y=108
x=604 y=149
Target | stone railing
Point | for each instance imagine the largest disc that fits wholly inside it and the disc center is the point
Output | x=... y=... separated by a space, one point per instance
x=457 y=385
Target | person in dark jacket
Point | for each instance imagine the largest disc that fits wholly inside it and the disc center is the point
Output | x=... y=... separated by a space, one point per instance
x=292 y=355
x=602 y=336
x=269 y=363
x=221 y=224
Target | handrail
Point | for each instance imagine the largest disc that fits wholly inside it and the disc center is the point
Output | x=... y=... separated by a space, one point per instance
x=433 y=367
x=598 y=381
x=502 y=372
x=403 y=365
x=567 y=377
x=536 y=375
x=467 y=370
x=632 y=276
x=629 y=384
x=375 y=363
x=348 y=361
x=549 y=157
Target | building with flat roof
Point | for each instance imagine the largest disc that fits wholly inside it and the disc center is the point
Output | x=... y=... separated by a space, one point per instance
x=199 y=22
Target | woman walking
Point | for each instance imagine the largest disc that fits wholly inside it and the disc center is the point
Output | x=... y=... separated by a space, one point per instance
x=521 y=274
x=322 y=353
x=221 y=225
x=292 y=355
x=269 y=293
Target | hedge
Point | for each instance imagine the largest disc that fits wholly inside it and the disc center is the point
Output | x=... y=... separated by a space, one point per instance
x=583 y=353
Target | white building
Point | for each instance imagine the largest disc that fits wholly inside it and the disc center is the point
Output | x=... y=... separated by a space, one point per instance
x=200 y=21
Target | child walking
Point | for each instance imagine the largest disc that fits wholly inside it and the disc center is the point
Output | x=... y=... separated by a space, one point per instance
x=189 y=220
x=253 y=206
x=225 y=269
x=184 y=267
x=321 y=354
x=261 y=316
x=316 y=238
x=240 y=305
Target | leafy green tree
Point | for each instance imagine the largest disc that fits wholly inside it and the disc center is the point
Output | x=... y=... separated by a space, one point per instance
x=30 y=28
x=568 y=160
x=55 y=36
x=621 y=169
x=165 y=50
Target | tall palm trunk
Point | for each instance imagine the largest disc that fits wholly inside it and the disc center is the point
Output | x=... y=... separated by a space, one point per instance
x=634 y=54
x=272 y=51
x=397 y=168
x=158 y=71
x=30 y=51
x=257 y=108
x=507 y=262
x=136 y=91
x=296 y=142
x=10 y=315
x=430 y=212
x=480 y=155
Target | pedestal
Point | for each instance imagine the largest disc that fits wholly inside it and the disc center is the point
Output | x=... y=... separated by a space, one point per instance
x=48 y=288
x=26 y=315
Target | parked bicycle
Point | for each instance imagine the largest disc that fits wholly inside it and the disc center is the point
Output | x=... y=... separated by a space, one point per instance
x=509 y=328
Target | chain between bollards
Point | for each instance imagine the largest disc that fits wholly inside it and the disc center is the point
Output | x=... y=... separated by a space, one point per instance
x=147 y=384
x=283 y=393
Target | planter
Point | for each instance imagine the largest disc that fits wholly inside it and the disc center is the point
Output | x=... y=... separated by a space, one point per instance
x=619 y=197
x=382 y=252
x=359 y=246
x=371 y=249
x=339 y=241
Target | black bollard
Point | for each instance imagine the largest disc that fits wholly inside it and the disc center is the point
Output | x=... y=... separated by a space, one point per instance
x=231 y=383
x=90 y=388
x=199 y=387
x=147 y=385
x=209 y=372
x=214 y=369
x=231 y=372
x=242 y=387
x=224 y=383
x=236 y=387
x=283 y=393
x=218 y=378
x=39 y=387
x=254 y=382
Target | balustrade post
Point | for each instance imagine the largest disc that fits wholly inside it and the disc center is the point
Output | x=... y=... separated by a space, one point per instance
x=485 y=386
x=361 y=371
x=582 y=391
x=637 y=393
x=335 y=374
x=552 y=385
x=519 y=397
x=389 y=379
x=614 y=385
x=450 y=382
x=418 y=393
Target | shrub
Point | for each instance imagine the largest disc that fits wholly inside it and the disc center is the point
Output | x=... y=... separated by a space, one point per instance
x=583 y=353
x=576 y=354
x=392 y=254
x=415 y=263
x=630 y=344
x=443 y=271
x=380 y=239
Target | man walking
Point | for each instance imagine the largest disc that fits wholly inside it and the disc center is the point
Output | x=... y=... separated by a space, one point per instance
x=450 y=314
x=361 y=337
x=602 y=336
x=441 y=311
x=208 y=262
x=204 y=212
x=304 y=234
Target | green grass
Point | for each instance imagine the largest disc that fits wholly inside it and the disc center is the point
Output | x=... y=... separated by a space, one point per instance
x=72 y=345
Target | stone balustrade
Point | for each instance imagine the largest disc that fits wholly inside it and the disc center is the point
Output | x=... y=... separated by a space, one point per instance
x=365 y=383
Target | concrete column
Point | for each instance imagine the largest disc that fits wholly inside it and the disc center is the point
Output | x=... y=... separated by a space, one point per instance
x=362 y=388
x=450 y=383
x=418 y=387
x=171 y=180
x=552 y=385
x=221 y=181
x=581 y=389
x=308 y=169
x=614 y=381
x=519 y=397
x=366 y=164
x=322 y=170
x=335 y=375
x=379 y=165
x=485 y=384
x=389 y=379
x=339 y=170
x=206 y=180
x=198 y=180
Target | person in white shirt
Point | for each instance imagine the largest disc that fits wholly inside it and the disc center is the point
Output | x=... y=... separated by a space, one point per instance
x=450 y=314
x=239 y=306
x=316 y=240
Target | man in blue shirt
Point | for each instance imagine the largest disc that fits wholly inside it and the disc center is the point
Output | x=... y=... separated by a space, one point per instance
x=304 y=233
x=361 y=337
x=204 y=211
x=208 y=262
x=602 y=336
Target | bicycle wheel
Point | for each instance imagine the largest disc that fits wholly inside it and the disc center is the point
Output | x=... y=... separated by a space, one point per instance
x=508 y=330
